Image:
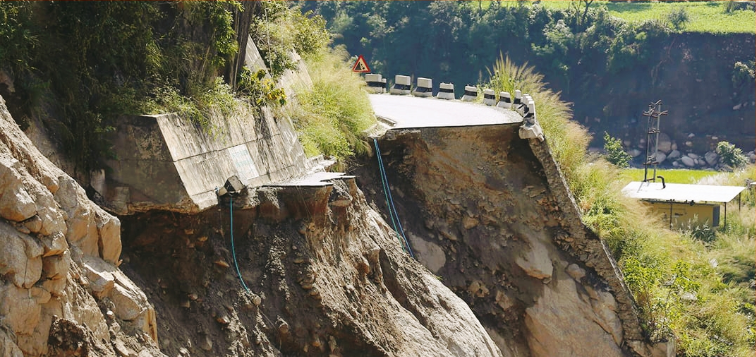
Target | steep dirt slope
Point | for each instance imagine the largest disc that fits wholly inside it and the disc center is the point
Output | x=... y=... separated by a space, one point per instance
x=61 y=293
x=325 y=278
x=491 y=215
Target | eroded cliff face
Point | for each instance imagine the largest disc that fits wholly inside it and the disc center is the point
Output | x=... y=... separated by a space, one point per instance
x=61 y=293
x=325 y=277
x=491 y=215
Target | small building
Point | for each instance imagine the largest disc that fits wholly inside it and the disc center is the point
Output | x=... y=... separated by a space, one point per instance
x=683 y=204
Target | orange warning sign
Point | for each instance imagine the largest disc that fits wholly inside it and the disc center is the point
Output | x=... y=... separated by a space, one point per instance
x=360 y=66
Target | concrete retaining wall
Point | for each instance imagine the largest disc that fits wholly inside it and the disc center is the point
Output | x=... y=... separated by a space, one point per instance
x=166 y=162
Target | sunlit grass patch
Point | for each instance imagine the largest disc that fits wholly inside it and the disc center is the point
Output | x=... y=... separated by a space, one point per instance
x=670 y=175
x=705 y=16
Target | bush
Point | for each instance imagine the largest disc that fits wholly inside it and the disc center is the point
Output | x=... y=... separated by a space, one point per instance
x=614 y=152
x=730 y=155
x=678 y=18
x=259 y=88
x=743 y=73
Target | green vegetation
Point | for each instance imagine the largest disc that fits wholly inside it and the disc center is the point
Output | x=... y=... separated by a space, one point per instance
x=707 y=17
x=730 y=155
x=670 y=175
x=281 y=30
x=718 y=17
x=614 y=152
x=444 y=36
x=88 y=63
x=85 y=64
x=697 y=290
x=743 y=74
x=331 y=115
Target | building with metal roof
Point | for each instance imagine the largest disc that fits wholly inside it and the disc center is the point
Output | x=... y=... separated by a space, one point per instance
x=683 y=204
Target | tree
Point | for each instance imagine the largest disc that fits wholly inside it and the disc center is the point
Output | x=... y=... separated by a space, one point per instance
x=614 y=152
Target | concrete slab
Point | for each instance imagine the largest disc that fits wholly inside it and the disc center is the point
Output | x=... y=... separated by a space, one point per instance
x=316 y=179
x=411 y=112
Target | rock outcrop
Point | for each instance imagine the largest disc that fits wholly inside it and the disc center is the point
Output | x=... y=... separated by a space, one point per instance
x=511 y=240
x=61 y=292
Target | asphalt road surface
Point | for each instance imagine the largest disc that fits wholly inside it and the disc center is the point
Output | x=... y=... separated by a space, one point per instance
x=414 y=112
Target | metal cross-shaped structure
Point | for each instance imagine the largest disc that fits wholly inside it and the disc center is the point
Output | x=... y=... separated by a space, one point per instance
x=654 y=114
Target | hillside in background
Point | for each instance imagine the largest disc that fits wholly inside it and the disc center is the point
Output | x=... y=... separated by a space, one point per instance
x=610 y=68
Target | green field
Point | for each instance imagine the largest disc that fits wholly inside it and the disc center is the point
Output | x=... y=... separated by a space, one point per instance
x=672 y=176
x=708 y=16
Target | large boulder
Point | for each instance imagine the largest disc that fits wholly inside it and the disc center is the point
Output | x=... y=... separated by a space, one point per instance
x=15 y=202
x=688 y=161
x=711 y=158
x=20 y=257
x=665 y=143
x=660 y=157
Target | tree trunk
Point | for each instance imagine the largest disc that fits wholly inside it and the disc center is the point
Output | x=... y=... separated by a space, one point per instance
x=242 y=21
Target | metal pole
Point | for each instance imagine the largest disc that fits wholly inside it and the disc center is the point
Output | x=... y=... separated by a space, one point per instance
x=725 y=215
x=670 y=215
x=656 y=136
x=739 y=201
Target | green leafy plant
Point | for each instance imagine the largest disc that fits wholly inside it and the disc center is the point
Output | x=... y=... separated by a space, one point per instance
x=614 y=152
x=743 y=73
x=678 y=17
x=730 y=155
x=259 y=88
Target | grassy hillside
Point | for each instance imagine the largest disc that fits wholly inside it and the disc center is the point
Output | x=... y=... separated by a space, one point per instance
x=694 y=285
x=705 y=16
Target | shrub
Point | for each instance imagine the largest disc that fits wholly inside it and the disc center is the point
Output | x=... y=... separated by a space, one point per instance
x=678 y=17
x=730 y=155
x=259 y=88
x=614 y=152
x=743 y=73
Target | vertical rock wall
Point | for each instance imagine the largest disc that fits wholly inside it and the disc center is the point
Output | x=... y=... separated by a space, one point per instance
x=61 y=291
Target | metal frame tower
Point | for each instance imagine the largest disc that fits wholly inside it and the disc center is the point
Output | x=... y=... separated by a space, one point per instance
x=654 y=114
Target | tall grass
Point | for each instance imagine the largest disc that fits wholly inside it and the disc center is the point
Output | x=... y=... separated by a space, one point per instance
x=331 y=115
x=679 y=291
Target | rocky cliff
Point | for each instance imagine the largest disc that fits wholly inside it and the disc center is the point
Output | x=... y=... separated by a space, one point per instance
x=491 y=215
x=61 y=293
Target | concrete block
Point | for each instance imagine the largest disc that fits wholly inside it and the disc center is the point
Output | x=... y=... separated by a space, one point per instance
x=471 y=93
x=505 y=100
x=375 y=83
x=424 y=87
x=402 y=85
x=445 y=91
x=489 y=98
